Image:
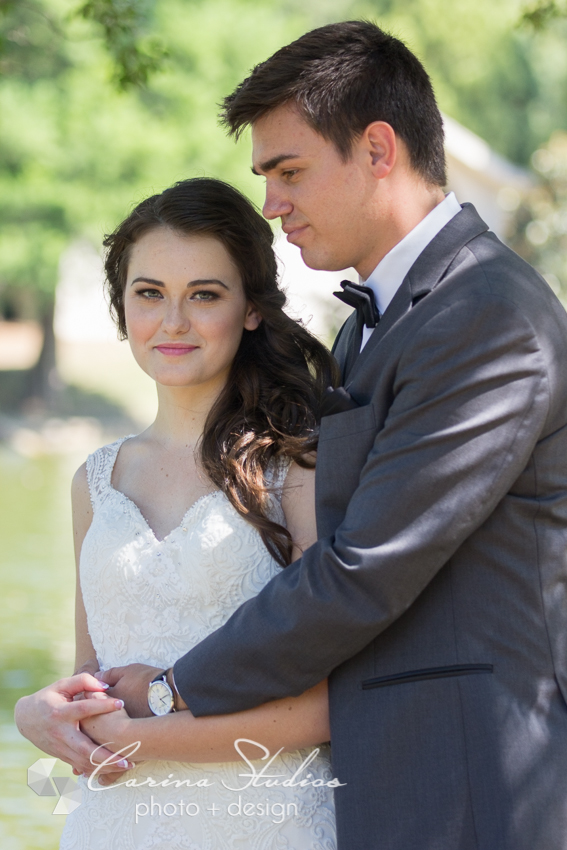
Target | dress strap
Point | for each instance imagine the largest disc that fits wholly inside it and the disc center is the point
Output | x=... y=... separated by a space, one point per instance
x=99 y=471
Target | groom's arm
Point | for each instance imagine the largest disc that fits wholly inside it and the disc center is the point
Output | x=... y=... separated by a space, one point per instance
x=463 y=423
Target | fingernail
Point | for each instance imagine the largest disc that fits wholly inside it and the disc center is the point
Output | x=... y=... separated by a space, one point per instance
x=104 y=685
x=122 y=763
x=119 y=703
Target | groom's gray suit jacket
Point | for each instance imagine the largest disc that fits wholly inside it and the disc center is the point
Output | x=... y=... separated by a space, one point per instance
x=436 y=596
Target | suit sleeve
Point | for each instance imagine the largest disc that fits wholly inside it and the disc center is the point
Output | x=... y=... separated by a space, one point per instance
x=462 y=425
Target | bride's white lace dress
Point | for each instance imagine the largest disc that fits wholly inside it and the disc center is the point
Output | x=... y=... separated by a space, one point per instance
x=150 y=601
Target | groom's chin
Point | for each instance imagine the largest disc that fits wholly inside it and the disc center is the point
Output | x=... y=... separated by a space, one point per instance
x=321 y=261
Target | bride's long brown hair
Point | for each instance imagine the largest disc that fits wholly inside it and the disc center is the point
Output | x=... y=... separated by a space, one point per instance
x=268 y=408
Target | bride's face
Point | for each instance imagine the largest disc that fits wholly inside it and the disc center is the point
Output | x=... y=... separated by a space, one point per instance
x=185 y=308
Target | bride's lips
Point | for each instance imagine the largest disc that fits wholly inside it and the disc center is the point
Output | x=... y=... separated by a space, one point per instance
x=175 y=350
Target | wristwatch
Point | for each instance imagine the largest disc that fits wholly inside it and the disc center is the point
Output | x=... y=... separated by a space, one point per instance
x=161 y=698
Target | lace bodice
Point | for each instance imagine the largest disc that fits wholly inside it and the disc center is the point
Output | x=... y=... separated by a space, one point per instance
x=150 y=601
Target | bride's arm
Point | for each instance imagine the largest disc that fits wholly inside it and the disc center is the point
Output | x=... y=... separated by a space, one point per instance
x=298 y=503
x=291 y=723
x=50 y=717
x=85 y=656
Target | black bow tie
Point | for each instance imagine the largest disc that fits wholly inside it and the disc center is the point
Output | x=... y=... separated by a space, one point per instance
x=362 y=299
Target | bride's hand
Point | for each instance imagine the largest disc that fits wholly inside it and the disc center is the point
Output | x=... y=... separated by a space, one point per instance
x=114 y=735
x=117 y=727
x=50 y=719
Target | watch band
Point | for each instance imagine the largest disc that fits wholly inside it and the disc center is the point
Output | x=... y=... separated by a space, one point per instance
x=161 y=677
x=176 y=694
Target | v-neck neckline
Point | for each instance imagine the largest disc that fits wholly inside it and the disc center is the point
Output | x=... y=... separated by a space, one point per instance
x=137 y=508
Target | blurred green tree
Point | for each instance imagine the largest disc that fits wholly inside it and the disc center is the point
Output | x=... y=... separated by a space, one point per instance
x=86 y=130
x=33 y=226
x=105 y=101
x=125 y=24
x=539 y=228
x=541 y=13
x=503 y=81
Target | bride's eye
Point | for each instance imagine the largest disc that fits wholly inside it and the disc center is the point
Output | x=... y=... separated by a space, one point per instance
x=149 y=294
x=204 y=295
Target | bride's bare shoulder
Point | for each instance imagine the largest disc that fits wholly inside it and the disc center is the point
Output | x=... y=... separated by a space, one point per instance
x=81 y=503
x=299 y=476
x=80 y=484
x=136 y=451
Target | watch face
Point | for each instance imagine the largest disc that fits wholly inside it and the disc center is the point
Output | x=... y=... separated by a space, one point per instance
x=160 y=698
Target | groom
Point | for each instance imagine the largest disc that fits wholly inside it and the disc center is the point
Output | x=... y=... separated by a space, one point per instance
x=436 y=597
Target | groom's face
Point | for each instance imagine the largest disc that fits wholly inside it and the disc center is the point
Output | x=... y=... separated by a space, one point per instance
x=323 y=201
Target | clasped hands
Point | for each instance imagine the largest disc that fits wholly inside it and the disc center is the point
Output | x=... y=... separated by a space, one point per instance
x=73 y=717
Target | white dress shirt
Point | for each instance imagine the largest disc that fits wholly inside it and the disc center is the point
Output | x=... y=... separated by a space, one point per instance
x=390 y=272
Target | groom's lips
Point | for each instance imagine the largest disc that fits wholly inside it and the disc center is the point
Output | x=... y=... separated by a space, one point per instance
x=293 y=233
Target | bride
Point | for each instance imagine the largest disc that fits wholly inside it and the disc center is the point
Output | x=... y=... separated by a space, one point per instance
x=176 y=527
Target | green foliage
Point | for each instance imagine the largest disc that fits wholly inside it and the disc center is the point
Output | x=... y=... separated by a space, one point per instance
x=543 y=12
x=125 y=24
x=76 y=150
x=502 y=81
x=539 y=228
x=31 y=41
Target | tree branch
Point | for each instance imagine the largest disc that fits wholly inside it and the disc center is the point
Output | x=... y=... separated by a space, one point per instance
x=542 y=12
x=125 y=24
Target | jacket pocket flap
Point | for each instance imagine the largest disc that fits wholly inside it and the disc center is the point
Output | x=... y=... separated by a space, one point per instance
x=427 y=673
x=348 y=422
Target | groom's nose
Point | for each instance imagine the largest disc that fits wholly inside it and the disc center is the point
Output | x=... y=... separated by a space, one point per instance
x=276 y=203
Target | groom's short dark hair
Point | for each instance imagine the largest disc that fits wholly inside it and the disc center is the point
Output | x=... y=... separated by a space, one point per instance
x=341 y=78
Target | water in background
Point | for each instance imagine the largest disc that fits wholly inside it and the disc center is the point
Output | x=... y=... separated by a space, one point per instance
x=37 y=585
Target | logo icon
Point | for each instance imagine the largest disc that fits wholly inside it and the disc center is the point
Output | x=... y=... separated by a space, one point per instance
x=40 y=781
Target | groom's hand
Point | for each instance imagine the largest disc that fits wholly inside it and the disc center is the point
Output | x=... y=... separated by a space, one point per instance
x=130 y=684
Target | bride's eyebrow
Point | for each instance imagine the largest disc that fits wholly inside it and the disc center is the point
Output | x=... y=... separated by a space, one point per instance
x=191 y=283
x=206 y=280
x=147 y=280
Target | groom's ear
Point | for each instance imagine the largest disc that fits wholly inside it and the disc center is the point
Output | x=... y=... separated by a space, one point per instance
x=378 y=147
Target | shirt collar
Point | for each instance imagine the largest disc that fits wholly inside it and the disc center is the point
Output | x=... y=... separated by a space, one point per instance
x=390 y=272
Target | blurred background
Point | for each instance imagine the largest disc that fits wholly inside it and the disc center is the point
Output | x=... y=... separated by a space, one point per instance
x=105 y=102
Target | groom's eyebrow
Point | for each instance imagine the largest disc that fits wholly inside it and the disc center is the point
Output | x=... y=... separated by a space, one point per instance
x=270 y=164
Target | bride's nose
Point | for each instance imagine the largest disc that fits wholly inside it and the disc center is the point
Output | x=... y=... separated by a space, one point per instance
x=176 y=318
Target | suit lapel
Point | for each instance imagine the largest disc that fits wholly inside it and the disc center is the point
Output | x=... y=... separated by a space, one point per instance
x=422 y=278
x=352 y=345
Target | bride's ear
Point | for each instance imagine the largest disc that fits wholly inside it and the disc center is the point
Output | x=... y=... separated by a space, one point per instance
x=252 y=318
